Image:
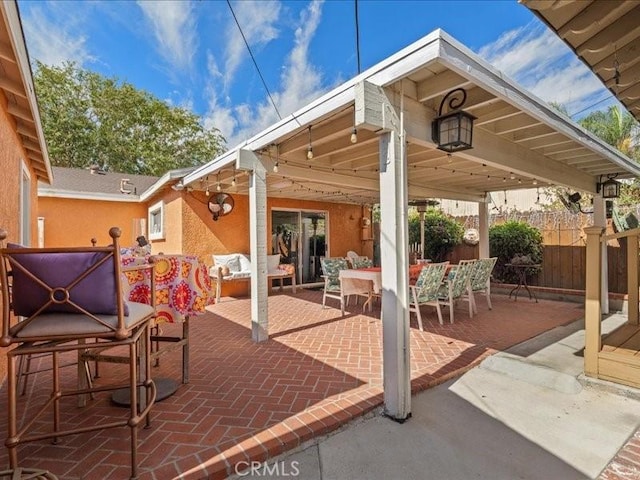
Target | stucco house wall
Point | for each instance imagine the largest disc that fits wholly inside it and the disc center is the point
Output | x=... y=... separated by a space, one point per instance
x=202 y=236
x=18 y=113
x=188 y=225
x=73 y=222
x=11 y=155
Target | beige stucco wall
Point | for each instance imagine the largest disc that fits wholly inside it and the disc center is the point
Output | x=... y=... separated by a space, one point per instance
x=202 y=236
x=173 y=215
x=73 y=222
x=11 y=161
x=189 y=227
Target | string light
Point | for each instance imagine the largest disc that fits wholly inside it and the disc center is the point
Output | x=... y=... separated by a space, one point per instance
x=206 y=190
x=512 y=176
x=275 y=165
x=449 y=158
x=310 y=149
x=354 y=135
x=535 y=182
x=233 y=182
x=218 y=186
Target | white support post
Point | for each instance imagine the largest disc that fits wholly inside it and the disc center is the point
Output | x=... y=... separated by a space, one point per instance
x=395 y=278
x=258 y=243
x=422 y=235
x=374 y=111
x=600 y=220
x=483 y=229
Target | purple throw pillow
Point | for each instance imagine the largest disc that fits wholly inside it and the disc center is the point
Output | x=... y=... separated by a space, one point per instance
x=96 y=293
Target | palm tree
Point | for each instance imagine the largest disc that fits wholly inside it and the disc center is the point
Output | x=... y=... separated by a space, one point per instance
x=618 y=129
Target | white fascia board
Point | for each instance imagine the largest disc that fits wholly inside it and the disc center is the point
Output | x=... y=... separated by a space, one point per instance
x=163 y=180
x=14 y=26
x=105 y=197
x=460 y=59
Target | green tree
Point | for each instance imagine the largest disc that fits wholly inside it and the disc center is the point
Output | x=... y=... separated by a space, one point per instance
x=89 y=119
x=510 y=239
x=617 y=128
x=441 y=232
x=620 y=130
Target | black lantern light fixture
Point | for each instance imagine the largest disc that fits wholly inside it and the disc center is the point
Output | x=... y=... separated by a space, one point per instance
x=453 y=132
x=609 y=188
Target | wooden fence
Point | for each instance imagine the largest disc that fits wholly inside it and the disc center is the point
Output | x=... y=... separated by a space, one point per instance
x=564 y=250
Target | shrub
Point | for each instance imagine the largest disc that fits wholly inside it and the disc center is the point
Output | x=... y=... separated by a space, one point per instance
x=441 y=234
x=512 y=239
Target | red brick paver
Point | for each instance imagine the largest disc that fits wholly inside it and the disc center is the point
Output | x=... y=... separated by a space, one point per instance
x=249 y=402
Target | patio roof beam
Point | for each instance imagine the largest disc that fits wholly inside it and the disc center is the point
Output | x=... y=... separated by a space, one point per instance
x=367 y=183
x=512 y=157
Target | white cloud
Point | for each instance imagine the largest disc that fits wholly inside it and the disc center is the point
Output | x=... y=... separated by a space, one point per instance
x=174 y=28
x=257 y=20
x=301 y=83
x=54 y=42
x=536 y=58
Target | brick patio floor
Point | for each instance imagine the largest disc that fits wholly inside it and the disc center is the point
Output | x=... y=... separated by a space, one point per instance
x=248 y=401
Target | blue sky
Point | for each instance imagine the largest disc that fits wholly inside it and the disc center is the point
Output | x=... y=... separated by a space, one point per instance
x=191 y=53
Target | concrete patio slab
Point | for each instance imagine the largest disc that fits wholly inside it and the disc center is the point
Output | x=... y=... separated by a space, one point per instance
x=510 y=417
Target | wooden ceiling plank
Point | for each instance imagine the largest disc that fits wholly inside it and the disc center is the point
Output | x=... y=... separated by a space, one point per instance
x=514 y=124
x=6 y=53
x=27 y=131
x=621 y=32
x=20 y=112
x=533 y=133
x=439 y=85
x=628 y=78
x=594 y=18
x=300 y=141
x=545 y=142
x=625 y=55
x=12 y=87
x=494 y=114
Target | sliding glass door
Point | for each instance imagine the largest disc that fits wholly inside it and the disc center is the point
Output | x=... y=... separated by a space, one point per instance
x=300 y=237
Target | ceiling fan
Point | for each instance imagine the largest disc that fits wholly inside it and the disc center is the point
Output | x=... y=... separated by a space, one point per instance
x=220 y=204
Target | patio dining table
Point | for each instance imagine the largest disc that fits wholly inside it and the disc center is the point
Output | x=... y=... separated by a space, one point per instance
x=369 y=280
x=182 y=290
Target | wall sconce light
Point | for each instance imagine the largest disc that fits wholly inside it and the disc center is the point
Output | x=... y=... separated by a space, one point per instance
x=453 y=132
x=609 y=188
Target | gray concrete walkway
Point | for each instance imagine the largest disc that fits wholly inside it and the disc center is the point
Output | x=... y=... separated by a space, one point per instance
x=523 y=414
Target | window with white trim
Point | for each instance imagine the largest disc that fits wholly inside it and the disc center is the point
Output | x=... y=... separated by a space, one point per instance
x=156 y=221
